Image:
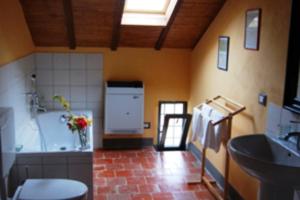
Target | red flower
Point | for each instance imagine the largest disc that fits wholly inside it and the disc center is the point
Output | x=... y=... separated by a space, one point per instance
x=69 y=125
x=81 y=123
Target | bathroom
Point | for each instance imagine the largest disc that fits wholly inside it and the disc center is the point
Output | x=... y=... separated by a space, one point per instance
x=74 y=48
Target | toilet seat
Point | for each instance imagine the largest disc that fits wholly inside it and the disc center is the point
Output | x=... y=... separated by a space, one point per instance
x=54 y=189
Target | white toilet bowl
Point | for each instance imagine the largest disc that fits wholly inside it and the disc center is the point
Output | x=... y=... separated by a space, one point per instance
x=54 y=189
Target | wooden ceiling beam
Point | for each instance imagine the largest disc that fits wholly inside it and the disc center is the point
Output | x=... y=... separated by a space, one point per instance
x=117 y=24
x=69 y=23
x=163 y=35
x=206 y=28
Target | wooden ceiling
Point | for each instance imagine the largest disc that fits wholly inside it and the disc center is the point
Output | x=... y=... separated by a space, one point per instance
x=97 y=23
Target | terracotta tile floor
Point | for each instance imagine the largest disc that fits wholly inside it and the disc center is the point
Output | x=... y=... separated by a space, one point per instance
x=146 y=175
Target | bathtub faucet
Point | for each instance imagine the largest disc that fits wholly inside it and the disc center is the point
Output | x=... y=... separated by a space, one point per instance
x=63 y=118
x=35 y=105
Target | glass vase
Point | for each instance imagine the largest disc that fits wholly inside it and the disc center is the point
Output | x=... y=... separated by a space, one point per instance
x=83 y=139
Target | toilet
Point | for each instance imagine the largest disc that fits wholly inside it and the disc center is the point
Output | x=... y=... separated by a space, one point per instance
x=32 y=189
x=45 y=189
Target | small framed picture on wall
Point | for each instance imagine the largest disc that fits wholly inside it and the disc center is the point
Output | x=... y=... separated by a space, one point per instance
x=223 y=52
x=252 y=29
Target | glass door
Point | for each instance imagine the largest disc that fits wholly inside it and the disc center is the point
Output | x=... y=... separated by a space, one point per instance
x=174 y=126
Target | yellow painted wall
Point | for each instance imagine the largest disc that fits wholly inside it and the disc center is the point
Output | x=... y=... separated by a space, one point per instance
x=165 y=74
x=250 y=72
x=180 y=75
x=15 y=38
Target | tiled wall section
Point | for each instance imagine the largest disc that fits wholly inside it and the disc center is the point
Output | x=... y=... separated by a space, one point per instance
x=15 y=82
x=78 y=77
x=279 y=121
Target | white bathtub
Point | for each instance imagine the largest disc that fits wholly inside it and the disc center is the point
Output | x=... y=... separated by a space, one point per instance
x=53 y=134
x=53 y=152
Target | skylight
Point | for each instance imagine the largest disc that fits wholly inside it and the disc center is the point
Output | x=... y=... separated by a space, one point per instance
x=148 y=12
x=147 y=6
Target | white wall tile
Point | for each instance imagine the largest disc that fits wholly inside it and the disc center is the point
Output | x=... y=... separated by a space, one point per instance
x=94 y=94
x=78 y=77
x=94 y=61
x=45 y=92
x=61 y=77
x=49 y=105
x=96 y=108
x=13 y=78
x=62 y=91
x=78 y=94
x=77 y=61
x=44 y=77
x=98 y=131
x=94 y=77
x=273 y=118
x=43 y=61
x=78 y=105
x=61 y=61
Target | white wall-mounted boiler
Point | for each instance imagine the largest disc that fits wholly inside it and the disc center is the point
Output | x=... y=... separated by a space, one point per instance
x=124 y=107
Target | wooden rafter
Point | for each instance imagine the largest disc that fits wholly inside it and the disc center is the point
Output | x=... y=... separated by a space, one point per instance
x=166 y=29
x=69 y=23
x=117 y=24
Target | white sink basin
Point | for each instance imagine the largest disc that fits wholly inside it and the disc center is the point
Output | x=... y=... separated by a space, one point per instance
x=276 y=167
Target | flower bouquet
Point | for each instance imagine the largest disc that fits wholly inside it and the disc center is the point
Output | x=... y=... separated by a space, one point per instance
x=76 y=123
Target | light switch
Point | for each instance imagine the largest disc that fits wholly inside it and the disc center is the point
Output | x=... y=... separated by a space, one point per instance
x=262 y=98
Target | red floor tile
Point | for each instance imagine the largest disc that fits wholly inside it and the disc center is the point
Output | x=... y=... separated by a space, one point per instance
x=136 y=180
x=162 y=196
x=185 y=196
x=124 y=173
x=146 y=175
x=105 y=173
x=141 y=197
x=118 y=197
x=116 y=181
x=204 y=195
x=128 y=189
x=148 y=188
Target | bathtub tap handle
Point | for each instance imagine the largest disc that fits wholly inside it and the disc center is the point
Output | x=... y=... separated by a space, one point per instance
x=63 y=118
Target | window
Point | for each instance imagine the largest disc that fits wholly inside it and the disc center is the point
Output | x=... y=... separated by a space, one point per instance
x=148 y=12
x=176 y=126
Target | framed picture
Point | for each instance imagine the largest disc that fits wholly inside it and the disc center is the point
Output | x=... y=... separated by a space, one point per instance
x=223 y=52
x=252 y=29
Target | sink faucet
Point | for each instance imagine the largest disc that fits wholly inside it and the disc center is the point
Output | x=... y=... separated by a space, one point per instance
x=291 y=134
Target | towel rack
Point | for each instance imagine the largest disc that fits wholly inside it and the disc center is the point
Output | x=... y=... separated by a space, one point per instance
x=231 y=113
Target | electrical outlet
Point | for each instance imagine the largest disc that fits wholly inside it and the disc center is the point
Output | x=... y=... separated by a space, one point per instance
x=147 y=125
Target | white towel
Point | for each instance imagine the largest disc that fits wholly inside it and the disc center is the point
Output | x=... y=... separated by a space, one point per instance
x=216 y=134
x=202 y=129
x=200 y=123
x=196 y=120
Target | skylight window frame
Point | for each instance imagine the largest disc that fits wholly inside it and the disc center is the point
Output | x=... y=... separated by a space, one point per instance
x=148 y=18
x=145 y=11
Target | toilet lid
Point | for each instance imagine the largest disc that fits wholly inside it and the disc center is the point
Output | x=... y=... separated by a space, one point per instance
x=55 y=189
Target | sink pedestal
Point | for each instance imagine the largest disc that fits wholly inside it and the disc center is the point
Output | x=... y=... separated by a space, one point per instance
x=275 y=192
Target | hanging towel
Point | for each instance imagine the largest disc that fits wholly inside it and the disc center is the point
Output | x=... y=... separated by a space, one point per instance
x=200 y=123
x=216 y=134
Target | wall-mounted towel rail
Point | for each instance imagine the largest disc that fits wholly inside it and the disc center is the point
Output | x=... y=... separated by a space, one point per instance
x=235 y=109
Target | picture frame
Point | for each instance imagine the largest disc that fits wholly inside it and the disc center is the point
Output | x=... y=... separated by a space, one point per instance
x=223 y=52
x=252 y=29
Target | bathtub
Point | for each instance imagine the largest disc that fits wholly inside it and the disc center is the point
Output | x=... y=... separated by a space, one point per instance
x=53 y=152
x=53 y=135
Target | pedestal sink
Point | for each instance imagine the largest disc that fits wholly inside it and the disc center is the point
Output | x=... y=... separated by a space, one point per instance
x=276 y=167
